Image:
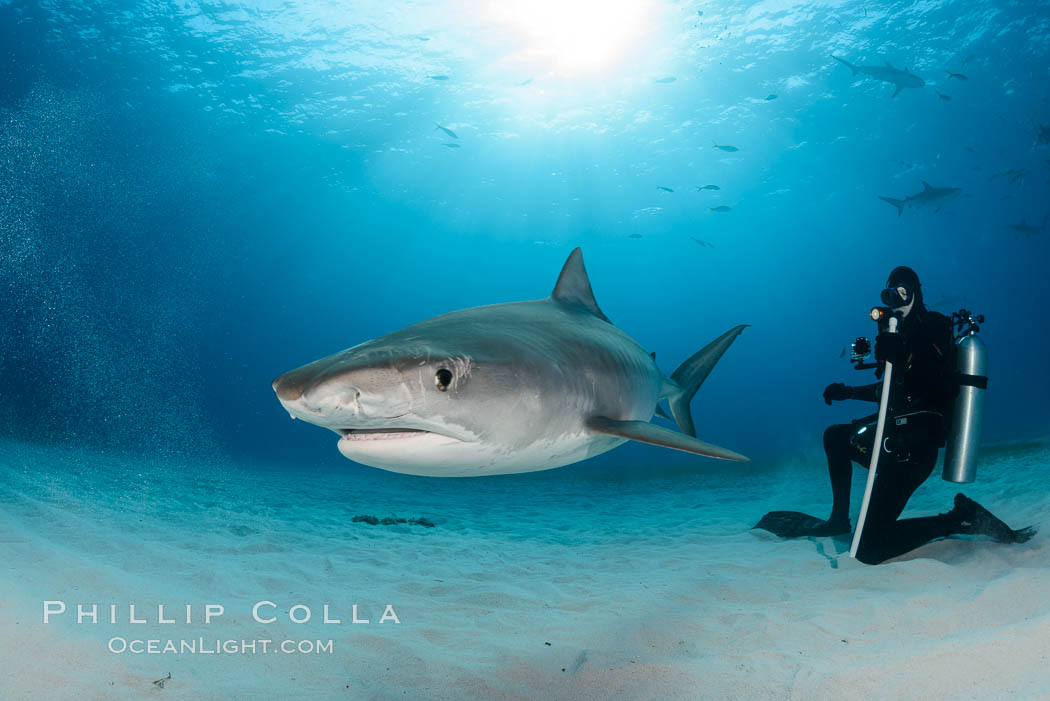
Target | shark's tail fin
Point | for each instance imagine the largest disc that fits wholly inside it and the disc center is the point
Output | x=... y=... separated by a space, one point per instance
x=692 y=373
x=899 y=204
x=846 y=63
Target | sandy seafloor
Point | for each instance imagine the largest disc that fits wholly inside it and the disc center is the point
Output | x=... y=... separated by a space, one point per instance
x=649 y=588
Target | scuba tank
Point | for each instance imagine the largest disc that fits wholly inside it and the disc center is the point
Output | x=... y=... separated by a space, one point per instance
x=960 y=456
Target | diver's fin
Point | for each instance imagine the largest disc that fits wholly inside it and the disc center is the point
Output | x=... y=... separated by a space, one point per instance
x=795 y=524
x=692 y=373
x=899 y=204
x=974 y=519
x=846 y=63
x=655 y=435
x=574 y=288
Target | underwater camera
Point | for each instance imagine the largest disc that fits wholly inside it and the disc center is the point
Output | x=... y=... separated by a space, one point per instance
x=861 y=349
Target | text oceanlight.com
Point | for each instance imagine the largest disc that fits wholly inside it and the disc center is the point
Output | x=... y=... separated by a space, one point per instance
x=202 y=646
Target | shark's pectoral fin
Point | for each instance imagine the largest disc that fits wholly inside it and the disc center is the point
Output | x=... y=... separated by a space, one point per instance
x=655 y=435
x=897 y=91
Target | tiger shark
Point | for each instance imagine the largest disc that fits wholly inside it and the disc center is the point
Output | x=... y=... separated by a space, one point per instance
x=500 y=389
x=887 y=74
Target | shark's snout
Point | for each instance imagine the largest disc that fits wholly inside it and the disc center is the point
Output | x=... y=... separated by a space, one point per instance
x=288 y=389
x=344 y=393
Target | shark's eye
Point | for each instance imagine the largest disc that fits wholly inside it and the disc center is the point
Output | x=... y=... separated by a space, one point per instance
x=443 y=379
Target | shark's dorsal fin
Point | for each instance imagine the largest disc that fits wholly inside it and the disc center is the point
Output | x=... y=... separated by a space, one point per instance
x=574 y=288
x=889 y=65
x=926 y=186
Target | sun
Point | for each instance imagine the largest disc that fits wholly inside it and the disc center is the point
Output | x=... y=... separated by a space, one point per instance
x=572 y=37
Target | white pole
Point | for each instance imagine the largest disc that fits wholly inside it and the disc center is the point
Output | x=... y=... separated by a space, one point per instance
x=876 y=448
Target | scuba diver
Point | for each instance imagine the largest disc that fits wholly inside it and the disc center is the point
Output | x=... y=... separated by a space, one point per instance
x=924 y=384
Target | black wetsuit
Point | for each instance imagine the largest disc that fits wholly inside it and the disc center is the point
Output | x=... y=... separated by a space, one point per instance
x=923 y=390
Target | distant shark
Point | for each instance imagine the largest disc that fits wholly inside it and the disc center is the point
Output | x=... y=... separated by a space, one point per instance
x=929 y=197
x=888 y=74
x=500 y=389
x=1023 y=227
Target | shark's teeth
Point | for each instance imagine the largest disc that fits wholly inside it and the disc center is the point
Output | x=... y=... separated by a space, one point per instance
x=380 y=434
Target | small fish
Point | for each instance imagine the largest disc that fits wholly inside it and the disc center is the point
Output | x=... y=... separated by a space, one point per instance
x=160 y=682
x=720 y=208
x=423 y=38
x=727 y=149
x=702 y=244
x=447 y=131
x=944 y=97
x=960 y=76
x=708 y=187
x=438 y=77
x=634 y=236
x=524 y=82
x=665 y=189
x=450 y=145
x=666 y=79
x=770 y=97
x=843 y=353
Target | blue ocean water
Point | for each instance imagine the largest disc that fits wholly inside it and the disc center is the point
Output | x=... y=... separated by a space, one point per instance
x=197 y=197
x=200 y=197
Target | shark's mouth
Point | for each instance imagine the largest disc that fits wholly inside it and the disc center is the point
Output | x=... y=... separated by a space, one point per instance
x=380 y=434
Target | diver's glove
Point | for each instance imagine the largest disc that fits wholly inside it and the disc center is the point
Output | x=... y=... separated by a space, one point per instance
x=891 y=347
x=836 y=392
